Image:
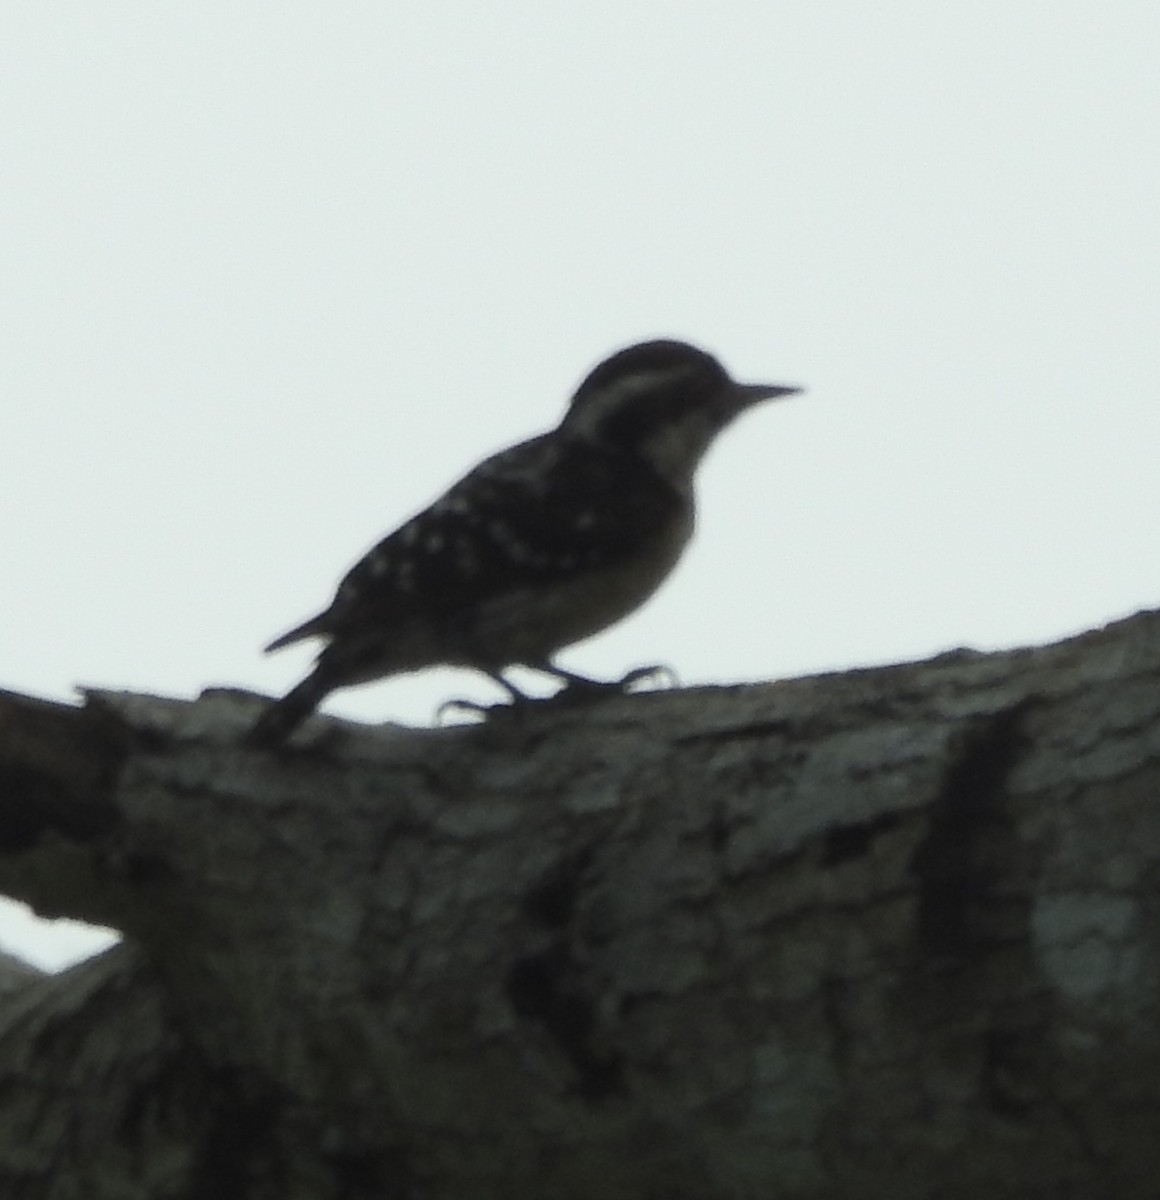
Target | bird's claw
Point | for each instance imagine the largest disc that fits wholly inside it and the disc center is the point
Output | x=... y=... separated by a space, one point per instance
x=659 y=675
x=470 y=707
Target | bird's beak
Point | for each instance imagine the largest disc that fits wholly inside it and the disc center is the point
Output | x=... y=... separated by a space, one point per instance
x=753 y=393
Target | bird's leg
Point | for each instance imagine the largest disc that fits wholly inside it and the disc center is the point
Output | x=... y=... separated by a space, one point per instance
x=517 y=697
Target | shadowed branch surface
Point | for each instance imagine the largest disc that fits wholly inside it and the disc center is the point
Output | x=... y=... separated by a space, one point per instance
x=887 y=933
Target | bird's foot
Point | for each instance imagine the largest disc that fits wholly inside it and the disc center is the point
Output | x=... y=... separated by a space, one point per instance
x=473 y=708
x=461 y=707
x=579 y=688
x=658 y=676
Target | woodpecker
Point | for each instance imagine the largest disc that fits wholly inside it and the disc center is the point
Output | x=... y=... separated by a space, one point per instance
x=541 y=545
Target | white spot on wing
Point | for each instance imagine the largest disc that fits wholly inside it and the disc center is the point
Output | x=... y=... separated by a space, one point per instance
x=513 y=547
x=453 y=503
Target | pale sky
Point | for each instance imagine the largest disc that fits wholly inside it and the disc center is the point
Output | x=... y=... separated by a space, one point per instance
x=272 y=276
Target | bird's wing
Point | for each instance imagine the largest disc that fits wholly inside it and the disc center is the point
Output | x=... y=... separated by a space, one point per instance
x=533 y=513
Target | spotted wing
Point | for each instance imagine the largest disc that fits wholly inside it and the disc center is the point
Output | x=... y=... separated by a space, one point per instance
x=541 y=511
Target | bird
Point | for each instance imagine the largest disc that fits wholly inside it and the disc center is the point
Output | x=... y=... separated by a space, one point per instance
x=540 y=546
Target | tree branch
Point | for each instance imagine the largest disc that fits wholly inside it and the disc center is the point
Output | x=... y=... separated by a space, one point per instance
x=894 y=932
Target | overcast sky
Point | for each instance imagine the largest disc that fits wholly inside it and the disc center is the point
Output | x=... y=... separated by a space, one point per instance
x=272 y=276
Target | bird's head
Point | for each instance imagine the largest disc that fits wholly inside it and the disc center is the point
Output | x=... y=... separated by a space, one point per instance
x=665 y=401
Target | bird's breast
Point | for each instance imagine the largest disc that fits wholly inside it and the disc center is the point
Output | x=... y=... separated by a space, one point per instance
x=531 y=623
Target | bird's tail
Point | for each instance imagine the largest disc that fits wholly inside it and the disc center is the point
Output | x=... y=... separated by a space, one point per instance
x=315 y=627
x=280 y=720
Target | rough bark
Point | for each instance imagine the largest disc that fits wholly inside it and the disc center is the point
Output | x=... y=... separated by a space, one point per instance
x=889 y=933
